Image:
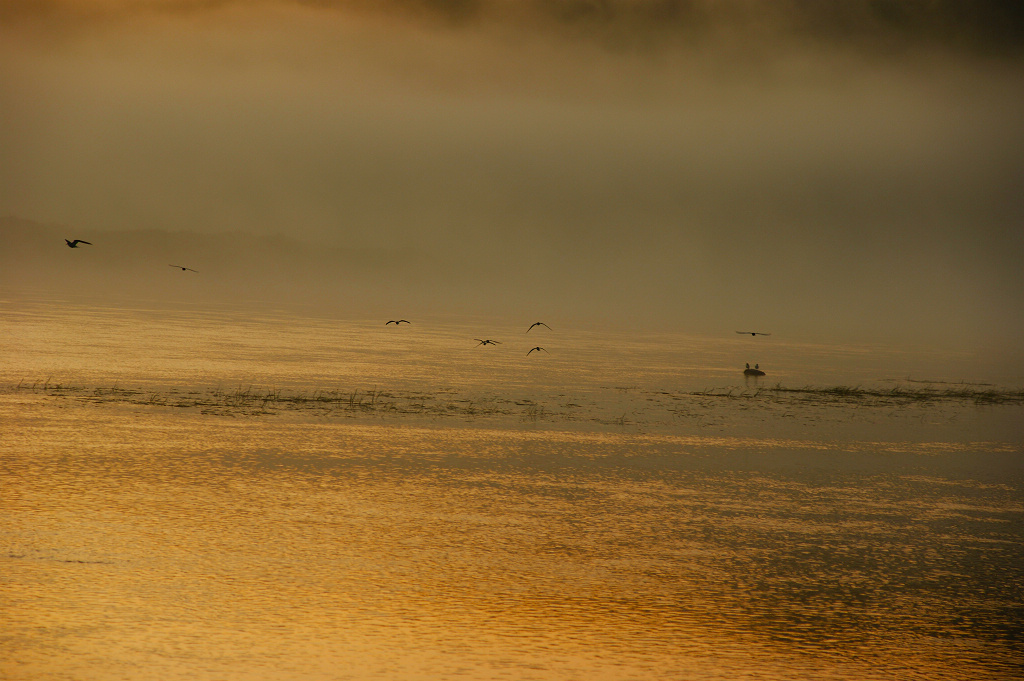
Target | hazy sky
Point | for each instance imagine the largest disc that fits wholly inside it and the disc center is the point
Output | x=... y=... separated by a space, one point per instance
x=809 y=168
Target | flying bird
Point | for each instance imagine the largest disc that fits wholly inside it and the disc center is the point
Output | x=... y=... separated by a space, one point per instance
x=396 y=322
x=487 y=341
x=74 y=244
x=536 y=348
x=753 y=333
x=538 y=324
x=183 y=268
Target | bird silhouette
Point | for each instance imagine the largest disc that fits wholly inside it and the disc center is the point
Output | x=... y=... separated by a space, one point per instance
x=183 y=268
x=753 y=333
x=536 y=348
x=538 y=324
x=487 y=341
x=396 y=322
x=74 y=244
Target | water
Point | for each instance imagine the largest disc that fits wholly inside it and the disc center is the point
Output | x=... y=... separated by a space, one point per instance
x=225 y=495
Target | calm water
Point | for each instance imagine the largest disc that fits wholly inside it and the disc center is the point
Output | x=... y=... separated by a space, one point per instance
x=239 y=496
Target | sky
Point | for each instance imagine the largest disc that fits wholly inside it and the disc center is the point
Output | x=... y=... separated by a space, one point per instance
x=851 y=169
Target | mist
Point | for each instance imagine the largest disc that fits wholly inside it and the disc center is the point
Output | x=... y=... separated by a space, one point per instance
x=841 y=173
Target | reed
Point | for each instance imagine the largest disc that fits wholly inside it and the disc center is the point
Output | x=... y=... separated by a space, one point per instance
x=988 y=396
x=632 y=405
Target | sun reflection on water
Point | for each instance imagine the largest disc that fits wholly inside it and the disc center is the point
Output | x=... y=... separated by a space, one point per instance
x=245 y=499
x=218 y=548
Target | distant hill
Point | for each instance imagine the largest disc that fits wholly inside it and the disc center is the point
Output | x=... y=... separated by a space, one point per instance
x=135 y=264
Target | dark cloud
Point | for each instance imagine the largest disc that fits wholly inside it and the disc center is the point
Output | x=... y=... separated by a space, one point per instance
x=994 y=27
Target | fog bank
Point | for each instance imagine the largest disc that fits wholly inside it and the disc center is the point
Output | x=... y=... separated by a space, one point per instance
x=823 y=169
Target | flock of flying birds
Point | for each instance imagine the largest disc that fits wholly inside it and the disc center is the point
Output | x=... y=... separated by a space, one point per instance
x=74 y=244
x=398 y=322
x=483 y=341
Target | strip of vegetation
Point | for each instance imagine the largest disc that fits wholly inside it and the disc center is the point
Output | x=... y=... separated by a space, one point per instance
x=642 y=410
x=251 y=401
x=989 y=396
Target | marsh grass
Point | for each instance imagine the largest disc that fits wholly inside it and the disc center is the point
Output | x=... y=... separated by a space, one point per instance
x=632 y=408
x=902 y=394
x=896 y=395
x=253 y=401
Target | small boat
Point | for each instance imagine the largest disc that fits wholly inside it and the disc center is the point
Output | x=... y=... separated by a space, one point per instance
x=752 y=372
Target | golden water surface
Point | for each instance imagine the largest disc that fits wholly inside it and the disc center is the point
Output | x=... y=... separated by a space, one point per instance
x=156 y=525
